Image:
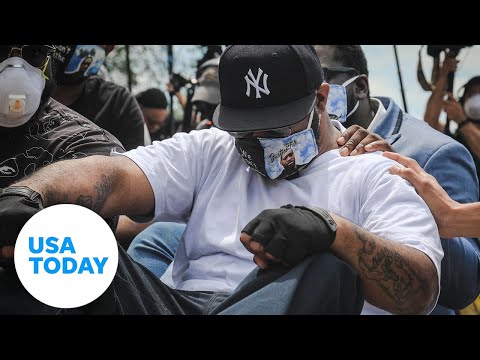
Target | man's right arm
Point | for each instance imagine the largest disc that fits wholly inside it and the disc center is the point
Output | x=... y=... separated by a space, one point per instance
x=106 y=185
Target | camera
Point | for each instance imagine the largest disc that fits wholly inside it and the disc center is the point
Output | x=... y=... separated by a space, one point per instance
x=178 y=81
x=435 y=50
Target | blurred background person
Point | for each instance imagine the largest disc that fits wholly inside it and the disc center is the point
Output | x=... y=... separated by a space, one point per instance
x=155 y=247
x=107 y=104
x=154 y=106
x=206 y=96
x=464 y=112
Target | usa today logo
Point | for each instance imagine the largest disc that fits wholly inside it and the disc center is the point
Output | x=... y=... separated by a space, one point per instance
x=66 y=256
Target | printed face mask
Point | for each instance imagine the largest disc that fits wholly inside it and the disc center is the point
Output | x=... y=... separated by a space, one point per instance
x=77 y=62
x=21 y=88
x=278 y=158
x=472 y=107
x=86 y=60
x=337 y=101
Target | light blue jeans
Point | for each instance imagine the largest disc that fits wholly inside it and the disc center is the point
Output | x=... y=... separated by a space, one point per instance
x=155 y=247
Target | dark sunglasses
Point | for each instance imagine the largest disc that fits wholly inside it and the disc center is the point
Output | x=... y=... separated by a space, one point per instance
x=273 y=133
x=330 y=71
x=35 y=55
x=282 y=132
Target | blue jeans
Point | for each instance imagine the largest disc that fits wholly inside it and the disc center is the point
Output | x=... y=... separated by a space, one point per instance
x=155 y=247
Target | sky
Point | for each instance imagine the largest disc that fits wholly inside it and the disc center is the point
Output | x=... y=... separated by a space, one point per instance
x=384 y=79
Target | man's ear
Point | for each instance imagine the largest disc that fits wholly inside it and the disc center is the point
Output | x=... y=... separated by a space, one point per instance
x=322 y=97
x=361 y=87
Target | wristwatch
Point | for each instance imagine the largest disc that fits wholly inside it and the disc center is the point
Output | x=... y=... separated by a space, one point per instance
x=325 y=216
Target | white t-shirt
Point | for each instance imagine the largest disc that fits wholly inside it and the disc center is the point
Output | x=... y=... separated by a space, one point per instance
x=200 y=178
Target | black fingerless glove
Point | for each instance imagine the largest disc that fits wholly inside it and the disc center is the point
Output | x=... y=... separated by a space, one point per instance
x=17 y=205
x=293 y=233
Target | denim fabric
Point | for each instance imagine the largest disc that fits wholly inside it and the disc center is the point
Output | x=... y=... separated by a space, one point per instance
x=155 y=246
x=321 y=284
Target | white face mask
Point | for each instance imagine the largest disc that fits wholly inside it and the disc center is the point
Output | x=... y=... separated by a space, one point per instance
x=337 y=101
x=21 y=88
x=472 y=107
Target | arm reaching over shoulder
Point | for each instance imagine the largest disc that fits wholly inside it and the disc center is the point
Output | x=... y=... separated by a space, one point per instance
x=356 y=141
x=453 y=219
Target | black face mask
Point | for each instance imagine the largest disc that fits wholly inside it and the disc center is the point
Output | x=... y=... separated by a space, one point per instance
x=61 y=58
x=253 y=154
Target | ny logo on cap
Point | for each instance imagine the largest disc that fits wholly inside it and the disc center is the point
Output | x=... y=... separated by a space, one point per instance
x=251 y=80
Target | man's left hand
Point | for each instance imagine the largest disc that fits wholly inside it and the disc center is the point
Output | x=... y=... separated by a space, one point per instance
x=357 y=140
x=287 y=235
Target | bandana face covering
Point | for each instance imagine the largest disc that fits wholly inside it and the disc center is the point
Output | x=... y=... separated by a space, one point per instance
x=278 y=158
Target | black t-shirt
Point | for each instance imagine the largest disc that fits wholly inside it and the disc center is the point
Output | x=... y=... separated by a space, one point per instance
x=57 y=133
x=113 y=108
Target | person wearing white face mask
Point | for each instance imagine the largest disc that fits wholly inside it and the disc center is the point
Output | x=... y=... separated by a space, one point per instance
x=36 y=130
x=464 y=112
x=439 y=155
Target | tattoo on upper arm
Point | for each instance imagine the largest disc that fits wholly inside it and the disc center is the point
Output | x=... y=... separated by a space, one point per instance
x=389 y=269
x=103 y=189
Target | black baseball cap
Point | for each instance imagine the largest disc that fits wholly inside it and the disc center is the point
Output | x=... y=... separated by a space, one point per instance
x=266 y=86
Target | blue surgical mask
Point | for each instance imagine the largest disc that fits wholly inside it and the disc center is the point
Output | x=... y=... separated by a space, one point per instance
x=337 y=101
x=279 y=158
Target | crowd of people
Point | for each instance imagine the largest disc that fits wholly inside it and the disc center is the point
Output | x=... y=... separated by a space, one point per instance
x=282 y=177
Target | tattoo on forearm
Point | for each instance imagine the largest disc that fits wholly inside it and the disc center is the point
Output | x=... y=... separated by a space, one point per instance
x=51 y=197
x=103 y=189
x=389 y=269
x=85 y=201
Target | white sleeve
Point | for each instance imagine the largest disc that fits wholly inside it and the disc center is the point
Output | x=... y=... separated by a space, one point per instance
x=174 y=168
x=392 y=209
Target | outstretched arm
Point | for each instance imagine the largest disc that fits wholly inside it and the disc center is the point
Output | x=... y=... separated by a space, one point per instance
x=453 y=219
x=107 y=185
